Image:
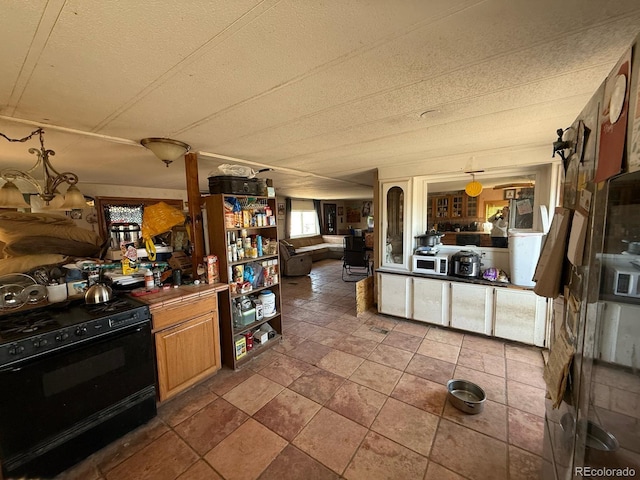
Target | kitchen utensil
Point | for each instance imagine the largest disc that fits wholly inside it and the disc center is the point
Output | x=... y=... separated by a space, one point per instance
x=36 y=293
x=429 y=239
x=466 y=396
x=11 y=296
x=57 y=293
x=597 y=437
x=98 y=293
x=466 y=264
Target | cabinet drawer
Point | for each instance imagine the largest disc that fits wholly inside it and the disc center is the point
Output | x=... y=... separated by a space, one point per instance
x=178 y=312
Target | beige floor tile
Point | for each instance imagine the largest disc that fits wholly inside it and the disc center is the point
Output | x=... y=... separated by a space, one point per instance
x=284 y=369
x=344 y=325
x=252 y=394
x=493 y=386
x=407 y=425
x=211 y=425
x=483 y=362
x=445 y=336
x=469 y=453
x=362 y=347
x=287 y=413
x=379 y=377
x=526 y=398
x=200 y=471
x=391 y=356
x=331 y=439
x=403 y=341
x=357 y=403
x=247 y=452
x=163 y=459
x=491 y=421
x=378 y=458
x=227 y=379
x=370 y=332
x=438 y=472
x=183 y=406
x=526 y=431
x=340 y=363
x=424 y=394
x=292 y=463
x=411 y=328
x=441 y=351
x=317 y=384
x=484 y=345
x=525 y=373
x=523 y=465
x=431 y=368
x=309 y=351
x=526 y=354
x=328 y=336
x=288 y=343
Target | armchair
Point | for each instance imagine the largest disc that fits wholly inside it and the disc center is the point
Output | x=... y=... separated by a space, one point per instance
x=294 y=264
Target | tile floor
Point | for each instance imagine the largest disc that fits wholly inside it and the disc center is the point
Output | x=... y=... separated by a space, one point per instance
x=344 y=397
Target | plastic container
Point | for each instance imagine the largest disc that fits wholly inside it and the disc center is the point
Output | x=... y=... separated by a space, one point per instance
x=524 y=251
x=268 y=299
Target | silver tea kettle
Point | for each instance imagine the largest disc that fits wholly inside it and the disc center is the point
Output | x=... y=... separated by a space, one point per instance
x=98 y=292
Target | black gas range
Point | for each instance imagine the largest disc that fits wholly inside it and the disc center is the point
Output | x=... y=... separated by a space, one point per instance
x=37 y=331
x=80 y=376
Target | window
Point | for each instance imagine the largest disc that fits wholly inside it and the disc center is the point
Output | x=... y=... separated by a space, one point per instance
x=304 y=219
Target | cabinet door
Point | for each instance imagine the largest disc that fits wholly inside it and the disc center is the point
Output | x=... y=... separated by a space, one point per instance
x=520 y=315
x=431 y=301
x=393 y=294
x=471 y=307
x=457 y=209
x=396 y=237
x=187 y=353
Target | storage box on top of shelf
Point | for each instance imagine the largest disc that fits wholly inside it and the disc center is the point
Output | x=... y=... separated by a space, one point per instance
x=213 y=272
x=237 y=185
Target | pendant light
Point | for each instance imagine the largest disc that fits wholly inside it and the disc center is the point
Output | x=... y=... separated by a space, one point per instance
x=473 y=188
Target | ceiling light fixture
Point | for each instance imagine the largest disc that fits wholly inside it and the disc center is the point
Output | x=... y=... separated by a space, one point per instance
x=473 y=188
x=166 y=149
x=11 y=196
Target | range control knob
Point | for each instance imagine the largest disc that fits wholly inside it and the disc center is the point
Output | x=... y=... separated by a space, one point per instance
x=40 y=342
x=62 y=336
x=16 y=349
x=81 y=330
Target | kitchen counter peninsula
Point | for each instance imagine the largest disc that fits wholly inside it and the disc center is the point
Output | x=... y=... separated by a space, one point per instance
x=476 y=305
x=186 y=333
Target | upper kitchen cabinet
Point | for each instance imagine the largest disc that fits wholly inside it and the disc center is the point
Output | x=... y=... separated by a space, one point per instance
x=396 y=234
x=451 y=207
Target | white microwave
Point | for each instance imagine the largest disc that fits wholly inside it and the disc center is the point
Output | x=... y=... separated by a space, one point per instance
x=431 y=264
x=626 y=281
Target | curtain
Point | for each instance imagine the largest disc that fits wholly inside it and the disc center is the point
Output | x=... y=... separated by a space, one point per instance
x=317 y=207
x=287 y=218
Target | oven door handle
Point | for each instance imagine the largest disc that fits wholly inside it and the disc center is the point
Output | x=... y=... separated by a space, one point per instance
x=10 y=369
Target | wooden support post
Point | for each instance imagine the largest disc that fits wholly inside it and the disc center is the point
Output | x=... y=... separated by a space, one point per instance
x=195 y=209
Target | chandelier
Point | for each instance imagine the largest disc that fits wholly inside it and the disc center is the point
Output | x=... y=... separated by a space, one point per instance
x=166 y=149
x=11 y=196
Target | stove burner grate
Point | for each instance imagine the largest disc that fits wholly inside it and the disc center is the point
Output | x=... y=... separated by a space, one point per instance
x=28 y=323
x=110 y=307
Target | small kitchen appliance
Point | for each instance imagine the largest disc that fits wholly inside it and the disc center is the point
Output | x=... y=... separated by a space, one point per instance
x=430 y=264
x=466 y=264
x=626 y=281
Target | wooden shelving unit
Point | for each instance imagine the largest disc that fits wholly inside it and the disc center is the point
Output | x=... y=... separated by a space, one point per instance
x=220 y=229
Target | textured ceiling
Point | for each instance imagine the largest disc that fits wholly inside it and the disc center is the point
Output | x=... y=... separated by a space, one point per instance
x=322 y=92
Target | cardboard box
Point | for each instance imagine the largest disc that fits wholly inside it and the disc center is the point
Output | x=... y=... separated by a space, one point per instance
x=241 y=347
x=260 y=337
x=549 y=269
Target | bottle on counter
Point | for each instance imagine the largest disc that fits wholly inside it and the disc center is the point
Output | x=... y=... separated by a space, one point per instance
x=149 y=282
x=157 y=276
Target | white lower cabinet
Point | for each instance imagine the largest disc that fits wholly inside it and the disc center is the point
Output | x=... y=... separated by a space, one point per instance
x=394 y=293
x=502 y=312
x=520 y=315
x=431 y=301
x=472 y=307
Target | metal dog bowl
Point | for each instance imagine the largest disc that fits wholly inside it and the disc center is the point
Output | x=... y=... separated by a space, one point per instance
x=466 y=396
x=598 y=438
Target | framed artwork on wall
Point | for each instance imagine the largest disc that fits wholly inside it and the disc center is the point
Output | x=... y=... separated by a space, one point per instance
x=509 y=194
x=281 y=209
x=340 y=210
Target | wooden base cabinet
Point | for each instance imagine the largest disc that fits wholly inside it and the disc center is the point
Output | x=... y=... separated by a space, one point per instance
x=187 y=342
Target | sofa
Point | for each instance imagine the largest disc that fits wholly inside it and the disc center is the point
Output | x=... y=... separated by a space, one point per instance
x=319 y=246
x=293 y=264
